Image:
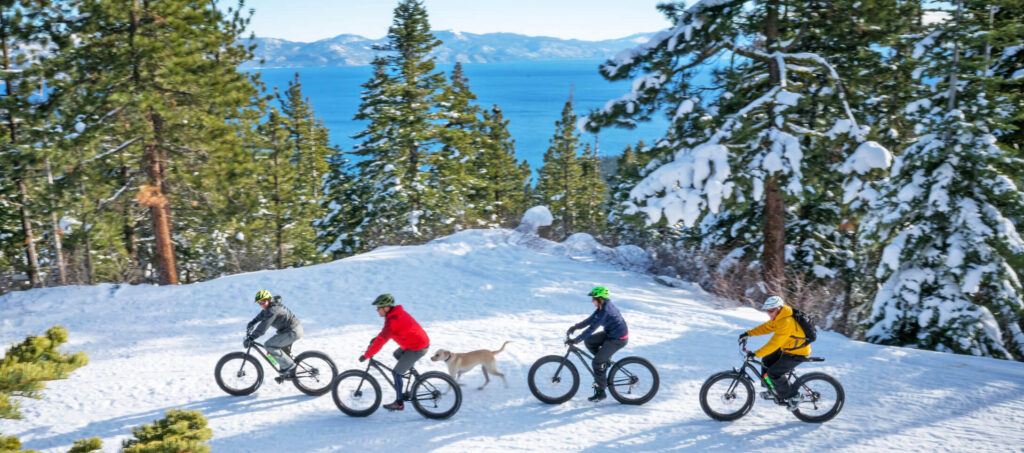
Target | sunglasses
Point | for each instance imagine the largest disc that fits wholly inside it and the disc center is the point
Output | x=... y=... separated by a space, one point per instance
x=262 y=301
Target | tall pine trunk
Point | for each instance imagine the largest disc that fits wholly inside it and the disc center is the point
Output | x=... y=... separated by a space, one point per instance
x=773 y=266
x=26 y=223
x=154 y=163
x=57 y=243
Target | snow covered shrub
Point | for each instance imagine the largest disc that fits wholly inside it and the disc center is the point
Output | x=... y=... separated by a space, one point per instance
x=180 y=431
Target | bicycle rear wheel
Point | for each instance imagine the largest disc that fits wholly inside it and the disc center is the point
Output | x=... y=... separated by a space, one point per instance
x=726 y=396
x=821 y=397
x=436 y=395
x=356 y=393
x=238 y=374
x=314 y=373
x=553 y=379
x=633 y=380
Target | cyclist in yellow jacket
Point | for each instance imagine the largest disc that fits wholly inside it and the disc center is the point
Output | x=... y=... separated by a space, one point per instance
x=784 y=351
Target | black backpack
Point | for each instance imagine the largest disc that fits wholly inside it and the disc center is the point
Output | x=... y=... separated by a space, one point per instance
x=807 y=324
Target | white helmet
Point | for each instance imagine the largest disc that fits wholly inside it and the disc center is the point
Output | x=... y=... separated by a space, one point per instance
x=772 y=302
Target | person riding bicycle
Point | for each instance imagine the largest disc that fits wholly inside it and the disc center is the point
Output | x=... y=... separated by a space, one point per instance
x=783 y=352
x=602 y=344
x=288 y=330
x=411 y=338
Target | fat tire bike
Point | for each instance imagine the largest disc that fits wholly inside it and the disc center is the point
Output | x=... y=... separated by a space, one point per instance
x=729 y=395
x=239 y=373
x=554 y=379
x=434 y=394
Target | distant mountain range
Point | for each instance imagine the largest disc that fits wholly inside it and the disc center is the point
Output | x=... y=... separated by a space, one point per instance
x=350 y=50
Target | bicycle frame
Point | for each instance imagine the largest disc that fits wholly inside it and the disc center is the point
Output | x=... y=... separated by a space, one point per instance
x=380 y=367
x=584 y=357
x=748 y=369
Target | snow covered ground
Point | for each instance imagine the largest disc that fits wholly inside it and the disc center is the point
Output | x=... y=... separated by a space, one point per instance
x=154 y=348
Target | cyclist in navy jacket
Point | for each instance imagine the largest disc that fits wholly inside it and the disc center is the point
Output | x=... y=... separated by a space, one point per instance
x=602 y=344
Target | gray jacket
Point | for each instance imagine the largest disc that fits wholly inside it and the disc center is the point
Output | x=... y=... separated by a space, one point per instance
x=275 y=315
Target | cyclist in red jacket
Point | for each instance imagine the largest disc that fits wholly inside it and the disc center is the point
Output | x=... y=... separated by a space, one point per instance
x=412 y=342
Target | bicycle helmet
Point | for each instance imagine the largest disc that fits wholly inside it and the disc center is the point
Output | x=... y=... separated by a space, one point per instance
x=262 y=294
x=599 y=291
x=772 y=302
x=384 y=300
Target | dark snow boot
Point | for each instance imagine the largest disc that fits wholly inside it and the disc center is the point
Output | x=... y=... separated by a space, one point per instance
x=598 y=395
x=395 y=406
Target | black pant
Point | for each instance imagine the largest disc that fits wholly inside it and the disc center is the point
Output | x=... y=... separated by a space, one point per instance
x=776 y=365
x=602 y=347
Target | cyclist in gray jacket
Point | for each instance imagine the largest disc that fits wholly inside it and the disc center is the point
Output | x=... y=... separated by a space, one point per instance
x=288 y=330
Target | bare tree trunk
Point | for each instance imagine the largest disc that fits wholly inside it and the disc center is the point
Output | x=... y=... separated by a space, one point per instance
x=156 y=200
x=278 y=223
x=57 y=243
x=26 y=224
x=773 y=266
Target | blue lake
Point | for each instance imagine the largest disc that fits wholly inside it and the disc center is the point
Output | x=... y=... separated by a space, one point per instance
x=530 y=94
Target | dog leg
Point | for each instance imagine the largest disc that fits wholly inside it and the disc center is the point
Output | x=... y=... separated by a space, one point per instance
x=487 y=380
x=494 y=371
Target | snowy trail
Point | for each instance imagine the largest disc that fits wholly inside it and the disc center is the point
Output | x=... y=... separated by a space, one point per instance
x=154 y=348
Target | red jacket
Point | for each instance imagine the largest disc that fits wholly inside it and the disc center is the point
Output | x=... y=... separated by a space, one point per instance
x=398 y=325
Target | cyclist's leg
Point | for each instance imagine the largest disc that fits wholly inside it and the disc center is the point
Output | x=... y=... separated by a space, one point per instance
x=766 y=363
x=277 y=343
x=603 y=357
x=406 y=359
x=777 y=372
x=594 y=342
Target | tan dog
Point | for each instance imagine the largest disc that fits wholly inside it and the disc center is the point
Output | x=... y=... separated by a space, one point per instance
x=459 y=363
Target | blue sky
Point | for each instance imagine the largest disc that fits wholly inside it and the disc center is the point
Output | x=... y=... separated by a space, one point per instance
x=310 y=20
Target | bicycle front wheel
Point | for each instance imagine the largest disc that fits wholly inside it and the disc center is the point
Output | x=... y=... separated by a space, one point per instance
x=436 y=395
x=821 y=397
x=726 y=396
x=238 y=374
x=633 y=380
x=314 y=373
x=356 y=393
x=553 y=379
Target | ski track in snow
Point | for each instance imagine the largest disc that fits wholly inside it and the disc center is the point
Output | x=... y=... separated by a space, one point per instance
x=154 y=348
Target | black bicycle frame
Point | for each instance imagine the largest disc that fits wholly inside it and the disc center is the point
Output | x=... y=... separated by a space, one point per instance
x=265 y=354
x=380 y=367
x=584 y=357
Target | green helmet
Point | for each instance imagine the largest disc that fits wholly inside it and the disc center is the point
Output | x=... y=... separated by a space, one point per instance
x=384 y=300
x=599 y=291
x=262 y=294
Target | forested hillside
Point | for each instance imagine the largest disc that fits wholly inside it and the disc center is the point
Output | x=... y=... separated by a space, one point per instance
x=863 y=159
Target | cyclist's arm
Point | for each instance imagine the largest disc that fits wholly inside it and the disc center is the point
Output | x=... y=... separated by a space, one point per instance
x=782 y=332
x=595 y=320
x=378 y=342
x=268 y=320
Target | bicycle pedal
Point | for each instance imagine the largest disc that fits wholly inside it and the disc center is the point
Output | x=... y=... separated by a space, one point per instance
x=279 y=379
x=767 y=396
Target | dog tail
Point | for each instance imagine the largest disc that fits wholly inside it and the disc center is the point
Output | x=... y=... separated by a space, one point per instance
x=501 y=349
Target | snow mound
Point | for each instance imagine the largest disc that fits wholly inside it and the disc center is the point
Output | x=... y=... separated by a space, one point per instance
x=534 y=218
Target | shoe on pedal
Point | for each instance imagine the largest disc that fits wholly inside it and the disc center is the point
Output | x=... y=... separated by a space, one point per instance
x=395 y=406
x=793 y=403
x=599 y=395
x=288 y=373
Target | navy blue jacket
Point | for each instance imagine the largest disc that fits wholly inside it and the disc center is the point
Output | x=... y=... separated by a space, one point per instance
x=607 y=316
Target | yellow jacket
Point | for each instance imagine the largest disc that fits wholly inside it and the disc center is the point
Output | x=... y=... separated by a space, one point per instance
x=783 y=328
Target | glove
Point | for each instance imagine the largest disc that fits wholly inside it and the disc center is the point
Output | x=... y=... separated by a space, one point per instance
x=362 y=358
x=743 y=337
x=570 y=341
x=751 y=355
x=247 y=342
x=570 y=331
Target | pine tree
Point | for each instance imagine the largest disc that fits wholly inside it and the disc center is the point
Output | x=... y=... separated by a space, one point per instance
x=744 y=161
x=398 y=105
x=179 y=431
x=27 y=366
x=500 y=199
x=28 y=29
x=943 y=218
x=559 y=181
x=452 y=183
x=592 y=195
x=308 y=138
x=168 y=69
